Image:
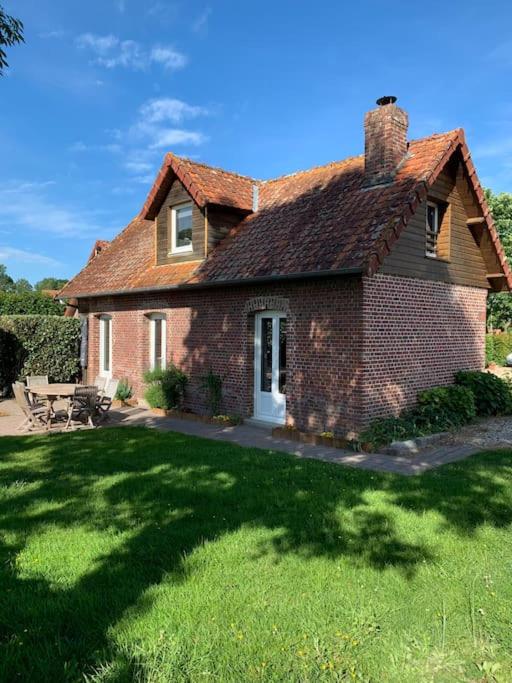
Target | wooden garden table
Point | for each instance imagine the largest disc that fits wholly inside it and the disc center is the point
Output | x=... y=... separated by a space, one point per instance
x=53 y=392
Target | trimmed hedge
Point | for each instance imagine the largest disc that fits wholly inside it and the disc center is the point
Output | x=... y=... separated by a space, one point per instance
x=38 y=345
x=29 y=303
x=166 y=388
x=497 y=347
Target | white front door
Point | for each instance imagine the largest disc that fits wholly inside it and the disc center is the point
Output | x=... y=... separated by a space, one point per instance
x=270 y=367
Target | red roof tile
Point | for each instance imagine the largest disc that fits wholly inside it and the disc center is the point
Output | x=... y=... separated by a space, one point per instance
x=316 y=221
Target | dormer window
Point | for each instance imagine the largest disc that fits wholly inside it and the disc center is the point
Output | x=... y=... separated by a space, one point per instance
x=181 y=228
x=432 y=229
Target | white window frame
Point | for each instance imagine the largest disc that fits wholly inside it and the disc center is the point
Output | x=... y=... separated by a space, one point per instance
x=174 y=248
x=432 y=254
x=153 y=317
x=104 y=321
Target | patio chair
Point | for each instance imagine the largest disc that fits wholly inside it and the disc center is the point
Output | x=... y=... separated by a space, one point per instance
x=35 y=381
x=104 y=402
x=36 y=417
x=101 y=383
x=83 y=404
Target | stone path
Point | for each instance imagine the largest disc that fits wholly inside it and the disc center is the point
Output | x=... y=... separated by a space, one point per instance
x=260 y=437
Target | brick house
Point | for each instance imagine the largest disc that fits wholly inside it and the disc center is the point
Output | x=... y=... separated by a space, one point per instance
x=324 y=299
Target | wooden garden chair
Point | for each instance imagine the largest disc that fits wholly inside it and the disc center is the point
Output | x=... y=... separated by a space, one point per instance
x=35 y=381
x=105 y=400
x=83 y=404
x=36 y=416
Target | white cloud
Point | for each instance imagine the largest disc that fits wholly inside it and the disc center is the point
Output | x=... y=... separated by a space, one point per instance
x=22 y=256
x=200 y=25
x=110 y=51
x=168 y=57
x=80 y=146
x=176 y=136
x=27 y=206
x=59 y=33
x=168 y=109
x=138 y=166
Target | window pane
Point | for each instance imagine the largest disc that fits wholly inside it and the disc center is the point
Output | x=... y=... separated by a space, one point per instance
x=432 y=218
x=266 y=354
x=106 y=345
x=157 y=360
x=184 y=226
x=282 y=355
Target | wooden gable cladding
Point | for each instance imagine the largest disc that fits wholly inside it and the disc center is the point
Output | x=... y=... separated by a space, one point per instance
x=209 y=226
x=461 y=260
x=178 y=195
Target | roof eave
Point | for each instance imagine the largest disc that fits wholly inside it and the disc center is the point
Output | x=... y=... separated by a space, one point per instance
x=351 y=271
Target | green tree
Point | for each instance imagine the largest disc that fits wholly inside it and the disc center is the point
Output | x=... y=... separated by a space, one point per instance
x=6 y=281
x=22 y=285
x=11 y=32
x=499 y=305
x=50 y=283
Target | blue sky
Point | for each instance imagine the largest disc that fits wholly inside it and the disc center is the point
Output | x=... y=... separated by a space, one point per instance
x=102 y=89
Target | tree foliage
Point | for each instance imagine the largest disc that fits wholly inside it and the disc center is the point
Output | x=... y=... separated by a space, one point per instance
x=499 y=305
x=50 y=283
x=11 y=32
x=29 y=303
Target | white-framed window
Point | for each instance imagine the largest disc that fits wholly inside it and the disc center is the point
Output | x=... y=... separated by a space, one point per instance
x=432 y=229
x=181 y=228
x=106 y=346
x=157 y=341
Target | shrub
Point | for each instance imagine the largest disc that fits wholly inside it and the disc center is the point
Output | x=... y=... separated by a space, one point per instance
x=39 y=345
x=493 y=396
x=437 y=410
x=497 y=347
x=124 y=390
x=442 y=408
x=29 y=303
x=166 y=387
x=383 y=431
x=212 y=385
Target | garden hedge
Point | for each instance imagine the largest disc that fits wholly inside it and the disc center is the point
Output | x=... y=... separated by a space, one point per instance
x=38 y=345
x=29 y=303
x=497 y=347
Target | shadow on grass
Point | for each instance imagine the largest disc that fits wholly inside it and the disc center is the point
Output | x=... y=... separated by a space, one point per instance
x=170 y=493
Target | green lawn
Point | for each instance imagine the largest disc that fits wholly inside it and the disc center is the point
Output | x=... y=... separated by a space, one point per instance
x=133 y=555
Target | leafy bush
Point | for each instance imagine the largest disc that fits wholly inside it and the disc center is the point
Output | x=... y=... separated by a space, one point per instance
x=437 y=410
x=383 y=431
x=497 y=348
x=493 y=396
x=166 y=388
x=29 y=303
x=442 y=408
x=39 y=345
x=212 y=385
x=124 y=390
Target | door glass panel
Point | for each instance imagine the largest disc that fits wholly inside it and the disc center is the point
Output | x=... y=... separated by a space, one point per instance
x=266 y=354
x=158 y=343
x=106 y=345
x=282 y=355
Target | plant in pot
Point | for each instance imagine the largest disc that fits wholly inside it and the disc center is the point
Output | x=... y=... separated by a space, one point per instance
x=123 y=394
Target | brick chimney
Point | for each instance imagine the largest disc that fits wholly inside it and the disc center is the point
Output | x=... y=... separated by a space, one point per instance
x=385 y=141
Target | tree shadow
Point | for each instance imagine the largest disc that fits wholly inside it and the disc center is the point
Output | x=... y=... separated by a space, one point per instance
x=165 y=495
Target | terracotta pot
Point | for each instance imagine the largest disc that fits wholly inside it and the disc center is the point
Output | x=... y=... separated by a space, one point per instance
x=161 y=412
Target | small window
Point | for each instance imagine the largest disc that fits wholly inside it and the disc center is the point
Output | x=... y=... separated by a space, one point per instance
x=181 y=228
x=432 y=229
x=105 y=346
x=157 y=342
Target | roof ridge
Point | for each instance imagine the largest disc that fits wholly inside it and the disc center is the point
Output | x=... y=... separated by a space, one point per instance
x=319 y=167
x=212 y=168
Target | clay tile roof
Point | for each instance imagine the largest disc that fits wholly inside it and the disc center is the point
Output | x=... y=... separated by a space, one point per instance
x=318 y=221
x=205 y=184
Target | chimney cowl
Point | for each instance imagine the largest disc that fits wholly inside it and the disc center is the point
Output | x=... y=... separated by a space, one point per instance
x=385 y=141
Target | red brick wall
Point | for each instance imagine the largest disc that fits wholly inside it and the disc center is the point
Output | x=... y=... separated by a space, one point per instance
x=417 y=334
x=212 y=328
x=341 y=372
